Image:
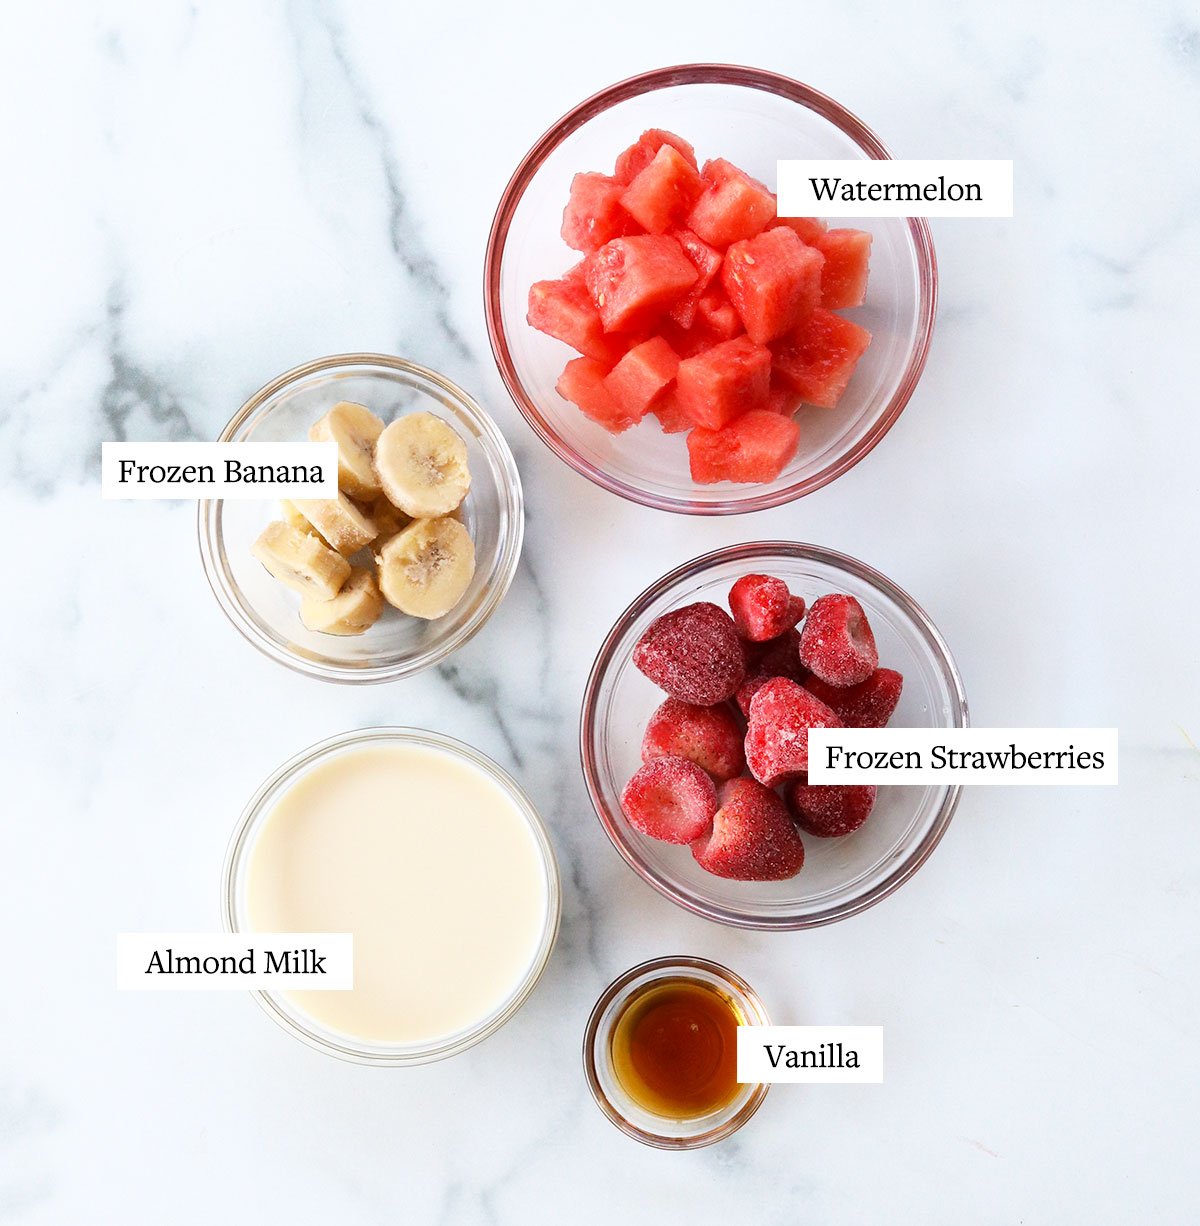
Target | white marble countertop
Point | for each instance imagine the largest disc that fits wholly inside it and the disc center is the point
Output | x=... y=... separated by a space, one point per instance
x=200 y=196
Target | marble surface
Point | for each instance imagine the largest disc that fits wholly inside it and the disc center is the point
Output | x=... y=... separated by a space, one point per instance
x=200 y=196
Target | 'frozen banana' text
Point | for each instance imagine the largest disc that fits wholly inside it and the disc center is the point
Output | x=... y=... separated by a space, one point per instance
x=235 y=472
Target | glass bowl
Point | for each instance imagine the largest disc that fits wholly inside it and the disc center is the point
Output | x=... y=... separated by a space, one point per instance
x=267 y=613
x=599 y=1069
x=842 y=876
x=277 y=1004
x=753 y=118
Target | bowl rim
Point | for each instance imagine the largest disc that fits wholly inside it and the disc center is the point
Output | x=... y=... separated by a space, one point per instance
x=209 y=528
x=621 y=91
x=615 y=823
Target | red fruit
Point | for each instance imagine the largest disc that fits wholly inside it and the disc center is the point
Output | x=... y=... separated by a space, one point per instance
x=753 y=838
x=662 y=194
x=640 y=378
x=716 y=317
x=756 y=447
x=781 y=714
x=670 y=799
x=806 y=229
x=671 y=417
x=732 y=206
x=832 y=810
x=746 y=691
x=781 y=658
x=565 y=310
x=817 y=359
x=693 y=653
x=707 y=261
x=763 y=608
x=837 y=644
x=844 y=277
x=708 y=736
x=582 y=383
x=593 y=214
x=781 y=399
x=641 y=153
x=774 y=281
x=634 y=280
x=724 y=382
x=869 y=704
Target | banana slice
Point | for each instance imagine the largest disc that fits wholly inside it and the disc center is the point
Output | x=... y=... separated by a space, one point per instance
x=422 y=465
x=355 y=609
x=355 y=429
x=339 y=522
x=388 y=521
x=425 y=569
x=301 y=560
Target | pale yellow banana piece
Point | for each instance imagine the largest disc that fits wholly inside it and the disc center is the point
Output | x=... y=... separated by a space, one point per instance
x=301 y=560
x=388 y=521
x=355 y=429
x=425 y=569
x=355 y=609
x=421 y=463
x=339 y=522
x=292 y=515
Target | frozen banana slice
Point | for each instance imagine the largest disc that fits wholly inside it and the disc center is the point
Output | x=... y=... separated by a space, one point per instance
x=425 y=569
x=355 y=429
x=291 y=515
x=388 y=521
x=339 y=522
x=301 y=560
x=422 y=465
x=355 y=609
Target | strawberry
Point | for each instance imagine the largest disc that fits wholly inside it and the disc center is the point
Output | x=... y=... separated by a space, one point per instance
x=753 y=837
x=832 y=810
x=763 y=608
x=670 y=799
x=708 y=736
x=781 y=714
x=869 y=704
x=693 y=653
x=781 y=658
x=836 y=643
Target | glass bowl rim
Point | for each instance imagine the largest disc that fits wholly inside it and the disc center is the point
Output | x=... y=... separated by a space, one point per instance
x=210 y=535
x=631 y=87
x=613 y=823
x=381 y=1054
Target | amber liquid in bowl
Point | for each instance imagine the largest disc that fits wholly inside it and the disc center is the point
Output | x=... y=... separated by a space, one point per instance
x=674 y=1049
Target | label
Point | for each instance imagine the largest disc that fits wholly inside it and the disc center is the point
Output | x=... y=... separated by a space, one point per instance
x=894 y=188
x=234 y=961
x=812 y=1054
x=958 y=756
x=218 y=470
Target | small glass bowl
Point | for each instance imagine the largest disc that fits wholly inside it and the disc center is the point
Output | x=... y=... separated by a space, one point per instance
x=631 y=1118
x=295 y=1020
x=753 y=118
x=841 y=876
x=267 y=613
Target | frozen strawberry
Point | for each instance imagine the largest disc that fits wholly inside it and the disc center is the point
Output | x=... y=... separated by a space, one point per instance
x=830 y=811
x=746 y=691
x=781 y=714
x=693 y=653
x=708 y=736
x=781 y=658
x=836 y=643
x=869 y=704
x=763 y=608
x=753 y=837
x=670 y=799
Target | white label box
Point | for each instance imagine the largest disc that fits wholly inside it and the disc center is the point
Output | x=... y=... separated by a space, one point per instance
x=810 y=1054
x=144 y=471
x=234 y=961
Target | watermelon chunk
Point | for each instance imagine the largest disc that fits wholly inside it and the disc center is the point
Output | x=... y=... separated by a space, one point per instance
x=844 y=278
x=774 y=281
x=732 y=205
x=640 y=378
x=582 y=383
x=818 y=358
x=565 y=310
x=716 y=316
x=724 y=382
x=633 y=280
x=662 y=195
x=671 y=417
x=708 y=263
x=758 y=446
x=806 y=229
x=781 y=398
x=594 y=214
x=642 y=152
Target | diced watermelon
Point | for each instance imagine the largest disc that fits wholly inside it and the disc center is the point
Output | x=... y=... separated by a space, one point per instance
x=732 y=205
x=781 y=398
x=641 y=153
x=707 y=261
x=806 y=229
x=633 y=280
x=671 y=417
x=641 y=377
x=844 y=278
x=662 y=195
x=594 y=214
x=565 y=310
x=582 y=383
x=724 y=382
x=774 y=281
x=758 y=446
x=716 y=315
x=818 y=358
